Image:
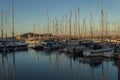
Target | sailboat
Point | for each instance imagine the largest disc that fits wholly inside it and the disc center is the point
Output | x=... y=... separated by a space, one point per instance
x=101 y=50
x=14 y=45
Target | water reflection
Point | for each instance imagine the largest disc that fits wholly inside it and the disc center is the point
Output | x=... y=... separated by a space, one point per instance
x=4 y=67
x=37 y=65
x=119 y=69
x=97 y=66
x=14 y=67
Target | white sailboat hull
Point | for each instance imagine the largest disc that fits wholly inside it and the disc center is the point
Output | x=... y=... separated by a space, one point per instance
x=99 y=52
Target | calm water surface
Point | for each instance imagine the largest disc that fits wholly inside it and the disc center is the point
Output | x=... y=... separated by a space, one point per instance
x=38 y=65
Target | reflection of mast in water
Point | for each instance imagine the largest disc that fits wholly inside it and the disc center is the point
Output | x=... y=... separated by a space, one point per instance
x=14 y=67
x=49 y=65
x=102 y=71
x=119 y=68
x=71 y=70
x=107 y=71
x=2 y=67
x=62 y=60
x=36 y=57
x=6 y=67
x=79 y=69
x=67 y=69
x=92 y=73
x=57 y=66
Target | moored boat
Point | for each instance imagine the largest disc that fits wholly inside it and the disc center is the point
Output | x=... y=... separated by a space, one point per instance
x=39 y=47
x=97 y=52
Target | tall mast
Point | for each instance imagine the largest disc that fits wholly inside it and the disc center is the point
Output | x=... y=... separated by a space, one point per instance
x=79 y=21
x=77 y=34
x=66 y=26
x=13 y=22
x=48 y=21
x=5 y=27
x=39 y=30
x=34 y=30
x=106 y=27
x=75 y=26
x=70 y=23
x=53 y=27
x=62 y=26
x=91 y=25
x=56 y=27
x=84 y=23
x=60 y=29
x=101 y=21
x=118 y=29
x=2 y=25
x=74 y=30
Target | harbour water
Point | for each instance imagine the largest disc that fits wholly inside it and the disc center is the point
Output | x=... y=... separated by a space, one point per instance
x=40 y=65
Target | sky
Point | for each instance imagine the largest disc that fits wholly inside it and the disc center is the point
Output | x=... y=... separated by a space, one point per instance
x=29 y=12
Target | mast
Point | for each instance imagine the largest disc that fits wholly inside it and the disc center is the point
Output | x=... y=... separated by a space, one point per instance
x=106 y=27
x=56 y=27
x=2 y=25
x=91 y=25
x=101 y=21
x=53 y=27
x=62 y=26
x=60 y=29
x=66 y=26
x=12 y=22
x=84 y=27
x=75 y=26
x=48 y=21
x=34 y=30
x=74 y=30
x=77 y=35
x=118 y=29
x=5 y=27
x=78 y=21
x=39 y=31
x=70 y=24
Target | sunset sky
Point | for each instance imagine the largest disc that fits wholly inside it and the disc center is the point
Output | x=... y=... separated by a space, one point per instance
x=29 y=12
